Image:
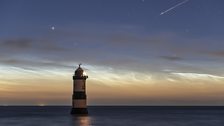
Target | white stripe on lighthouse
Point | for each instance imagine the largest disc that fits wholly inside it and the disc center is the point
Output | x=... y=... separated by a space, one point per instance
x=79 y=85
x=79 y=103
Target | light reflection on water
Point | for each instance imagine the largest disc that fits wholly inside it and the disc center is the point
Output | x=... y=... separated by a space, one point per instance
x=81 y=121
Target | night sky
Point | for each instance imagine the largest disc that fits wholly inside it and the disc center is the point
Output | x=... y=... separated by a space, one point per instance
x=135 y=52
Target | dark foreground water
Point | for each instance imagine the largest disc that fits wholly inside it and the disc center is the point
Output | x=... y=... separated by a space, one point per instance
x=113 y=116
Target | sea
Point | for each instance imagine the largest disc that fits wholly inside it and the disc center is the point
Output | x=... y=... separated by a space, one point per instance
x=113 y=116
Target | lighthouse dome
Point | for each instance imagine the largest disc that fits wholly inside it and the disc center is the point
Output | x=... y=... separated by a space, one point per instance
x=79 y=71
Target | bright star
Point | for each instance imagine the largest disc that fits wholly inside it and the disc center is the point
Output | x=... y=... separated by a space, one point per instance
x=52 y=28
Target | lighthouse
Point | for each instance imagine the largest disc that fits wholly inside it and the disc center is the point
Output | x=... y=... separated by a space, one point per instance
x=79 y=92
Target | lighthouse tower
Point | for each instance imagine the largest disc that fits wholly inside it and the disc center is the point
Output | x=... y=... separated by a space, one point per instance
x=79 y=92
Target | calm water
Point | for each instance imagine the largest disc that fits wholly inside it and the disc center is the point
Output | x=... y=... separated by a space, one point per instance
x=113 y=116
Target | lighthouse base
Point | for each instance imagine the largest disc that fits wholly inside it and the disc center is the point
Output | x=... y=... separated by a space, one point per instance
x=79 y=111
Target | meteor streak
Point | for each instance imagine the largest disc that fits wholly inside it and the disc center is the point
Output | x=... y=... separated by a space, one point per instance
x=185 y=1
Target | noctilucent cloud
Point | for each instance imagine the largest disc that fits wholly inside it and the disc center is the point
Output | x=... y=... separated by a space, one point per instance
x=135 y=52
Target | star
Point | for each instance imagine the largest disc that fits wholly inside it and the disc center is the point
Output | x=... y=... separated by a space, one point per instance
x=52 y=28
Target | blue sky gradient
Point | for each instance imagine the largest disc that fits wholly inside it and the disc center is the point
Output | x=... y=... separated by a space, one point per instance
x=129 y=42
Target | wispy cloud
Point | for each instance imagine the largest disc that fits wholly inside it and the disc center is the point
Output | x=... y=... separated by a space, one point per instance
x=199 y=76
x=217 y=53
x=172 y=58
x=20 y=44
x=27 y=44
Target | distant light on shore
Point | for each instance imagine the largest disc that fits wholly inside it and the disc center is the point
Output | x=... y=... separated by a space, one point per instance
x=42 y=104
